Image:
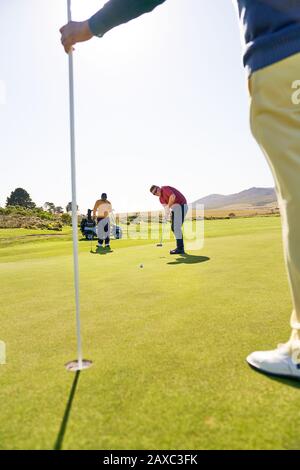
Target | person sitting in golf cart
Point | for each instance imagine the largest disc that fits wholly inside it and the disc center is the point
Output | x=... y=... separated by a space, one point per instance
x=101 y=211
x=175 y=203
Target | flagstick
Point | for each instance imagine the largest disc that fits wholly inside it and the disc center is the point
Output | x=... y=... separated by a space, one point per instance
x=79 y=364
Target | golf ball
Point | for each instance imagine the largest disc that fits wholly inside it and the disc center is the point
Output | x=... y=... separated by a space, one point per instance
x=141 y=265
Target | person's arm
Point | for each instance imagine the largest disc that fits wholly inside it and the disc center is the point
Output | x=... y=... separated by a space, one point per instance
x=171 y=201
x=95 y=209
x=168 y=195
x=114 y=13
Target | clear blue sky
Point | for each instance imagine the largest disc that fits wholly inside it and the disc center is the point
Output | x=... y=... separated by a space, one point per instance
x=160 y=100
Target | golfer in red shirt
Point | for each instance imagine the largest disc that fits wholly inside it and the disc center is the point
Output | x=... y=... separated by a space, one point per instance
x=174 y=202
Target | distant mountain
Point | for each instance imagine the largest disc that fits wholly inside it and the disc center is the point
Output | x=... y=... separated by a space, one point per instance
x=253 y=197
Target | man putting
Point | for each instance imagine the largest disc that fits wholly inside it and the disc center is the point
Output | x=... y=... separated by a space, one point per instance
x=101 y=211
x=175 y=204
x=272 y=60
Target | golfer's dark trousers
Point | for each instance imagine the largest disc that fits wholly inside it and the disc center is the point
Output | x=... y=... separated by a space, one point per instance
x=178 y=215
x=103 y=230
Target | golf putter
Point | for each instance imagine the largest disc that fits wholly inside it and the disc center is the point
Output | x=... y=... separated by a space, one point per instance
x=160 y=244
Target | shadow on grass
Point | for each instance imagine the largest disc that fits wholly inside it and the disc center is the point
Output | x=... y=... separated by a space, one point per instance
x=101 y=251
x=189 y=259
x=290 y=382
x=61 y=434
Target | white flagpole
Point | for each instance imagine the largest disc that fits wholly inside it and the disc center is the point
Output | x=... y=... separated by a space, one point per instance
x=74 y=202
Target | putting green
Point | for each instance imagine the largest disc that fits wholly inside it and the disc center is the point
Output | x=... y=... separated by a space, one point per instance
x=168 y=343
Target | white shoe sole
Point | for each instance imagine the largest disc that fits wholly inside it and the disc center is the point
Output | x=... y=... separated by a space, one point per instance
x=271 y=374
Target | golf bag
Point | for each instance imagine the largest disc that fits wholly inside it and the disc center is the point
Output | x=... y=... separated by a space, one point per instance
x=88 y=227
x=116 y=232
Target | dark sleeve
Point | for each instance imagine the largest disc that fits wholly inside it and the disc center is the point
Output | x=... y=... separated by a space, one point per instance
x=116 y=12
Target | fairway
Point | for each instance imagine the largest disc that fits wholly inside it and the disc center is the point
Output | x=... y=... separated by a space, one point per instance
x=168 y=342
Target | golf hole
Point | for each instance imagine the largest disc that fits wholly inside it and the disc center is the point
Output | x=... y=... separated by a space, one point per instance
x=74 y=366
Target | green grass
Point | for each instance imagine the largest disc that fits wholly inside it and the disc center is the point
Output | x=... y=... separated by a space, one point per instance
x=168 y=342
x=21 y=232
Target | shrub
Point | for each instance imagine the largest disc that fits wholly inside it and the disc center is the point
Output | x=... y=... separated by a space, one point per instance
x=57 y=226
x=66 y=219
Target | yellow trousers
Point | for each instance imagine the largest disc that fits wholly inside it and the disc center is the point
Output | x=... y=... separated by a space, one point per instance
x=275 y=124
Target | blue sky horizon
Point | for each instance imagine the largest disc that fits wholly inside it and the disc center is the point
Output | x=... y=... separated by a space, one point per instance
x=160 y=100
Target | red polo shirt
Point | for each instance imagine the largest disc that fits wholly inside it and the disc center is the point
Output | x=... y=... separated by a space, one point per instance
x=167 y=191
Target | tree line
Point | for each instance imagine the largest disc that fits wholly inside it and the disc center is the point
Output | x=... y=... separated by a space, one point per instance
x=21 y=198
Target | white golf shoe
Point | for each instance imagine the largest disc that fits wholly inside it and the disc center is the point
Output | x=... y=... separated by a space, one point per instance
x=277 y=362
